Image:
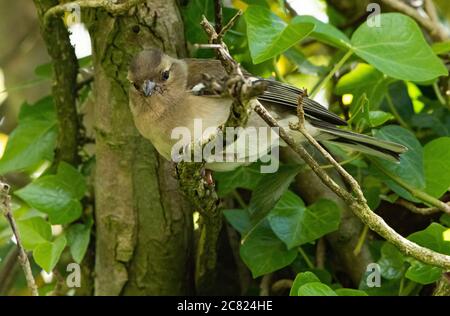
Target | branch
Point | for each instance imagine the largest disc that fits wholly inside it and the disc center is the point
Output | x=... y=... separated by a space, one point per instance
x=419 y=210
x=5 y=204
x=64 y=90
x=108 y=5
x=433 y=27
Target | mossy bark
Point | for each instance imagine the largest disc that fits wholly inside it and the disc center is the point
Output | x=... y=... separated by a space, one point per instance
x=143 y=224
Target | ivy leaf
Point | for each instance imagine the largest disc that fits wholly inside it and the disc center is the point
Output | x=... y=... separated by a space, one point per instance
x=296 y=224
x=47 y=254
x=392 y=262
x=435 y=237
x=34 y=231
x=315 y=289
x=269 y=36
x=57 y=195
x=269 y=190
x=423 y=273
x=245 y=177
x=33 y=140
x=360 y=111
x=441 y=47
x=378 y=118
x=325 y=32
x=410 y=168
x=302 y=279
x=398 y=49
x=350 y=292
x=437 y=167
x=239 y=219
x=445 y=219
x=78 y=236
x=364 y=79
x=264 y=253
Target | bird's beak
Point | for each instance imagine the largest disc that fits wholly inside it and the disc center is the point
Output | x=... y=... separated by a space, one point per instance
x=148 y=87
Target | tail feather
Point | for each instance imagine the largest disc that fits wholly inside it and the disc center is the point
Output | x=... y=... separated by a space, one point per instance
x=363 y=143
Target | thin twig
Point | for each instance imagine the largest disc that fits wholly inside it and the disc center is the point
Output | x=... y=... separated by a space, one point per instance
x=108 y=5
x=321 y=249
x=5 y=204
x=280 y=286
x=230 y=24
x=431 y=11
x=435 y=29
x=264 y=286
x=418 y=210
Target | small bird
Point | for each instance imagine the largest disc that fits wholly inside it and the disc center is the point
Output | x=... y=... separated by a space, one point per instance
x=166 y=93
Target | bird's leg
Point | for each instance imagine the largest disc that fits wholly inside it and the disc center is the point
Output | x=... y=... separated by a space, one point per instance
x=207 y=177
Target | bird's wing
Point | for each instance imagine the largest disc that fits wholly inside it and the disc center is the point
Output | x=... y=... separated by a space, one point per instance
x=277 y=93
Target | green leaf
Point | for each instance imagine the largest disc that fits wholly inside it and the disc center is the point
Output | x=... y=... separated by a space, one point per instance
x=436 y=156
x=325 y=32
x=269 y=190
x=192 y=16
x=445 y=219
x=350 y=292
x=47 y=254
x=423 y=273
x=264 y=253
x=410 y=168
x=392 y=262
x=33 y=140
x=441 y=47
x=315 y=289
x=360 y=111
x=364 y=79
x=245 y=177
x=239 y=219
x=296 y=225
x=398 y=49
x=269 y=36
x=435 y=237
x=302 y=62
x=378 y=118
x=34 y=231
x=57 y=195
x=78 y=236
x=301 y=279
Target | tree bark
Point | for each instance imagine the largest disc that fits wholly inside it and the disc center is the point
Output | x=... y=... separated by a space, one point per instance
x=143 y=224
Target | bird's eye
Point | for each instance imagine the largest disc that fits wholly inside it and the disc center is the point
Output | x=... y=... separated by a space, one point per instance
x=135 y=85
x=165 y=75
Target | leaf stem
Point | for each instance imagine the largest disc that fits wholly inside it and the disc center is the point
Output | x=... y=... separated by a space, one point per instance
x=330 y=75
x=438 y=93
x=425 y=197
x=361 y=240
x=305 y=256
x=395 y=112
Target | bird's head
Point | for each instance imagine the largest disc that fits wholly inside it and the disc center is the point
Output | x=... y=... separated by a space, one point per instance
x=152 y=72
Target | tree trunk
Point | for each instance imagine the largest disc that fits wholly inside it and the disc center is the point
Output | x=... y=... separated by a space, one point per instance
x=143 y=224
